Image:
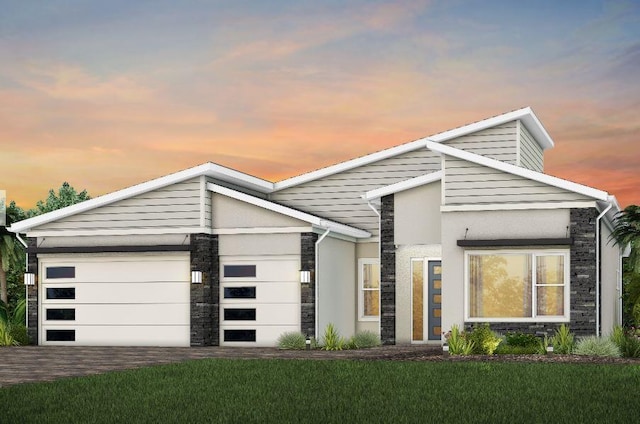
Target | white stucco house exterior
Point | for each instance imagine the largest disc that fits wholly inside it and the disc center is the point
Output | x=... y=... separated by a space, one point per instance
x=460 y=227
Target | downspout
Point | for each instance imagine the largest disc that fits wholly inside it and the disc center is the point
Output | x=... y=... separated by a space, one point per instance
x=598 y=267
x=373 y=208
x=317 y=291
x=26 y=269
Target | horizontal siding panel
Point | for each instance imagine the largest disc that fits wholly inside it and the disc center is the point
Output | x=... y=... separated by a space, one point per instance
x=174 y=206
x=520 y=198
x=531 y=154
x=499 y=143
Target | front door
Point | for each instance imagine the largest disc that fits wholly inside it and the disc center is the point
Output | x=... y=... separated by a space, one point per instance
x=426 y=294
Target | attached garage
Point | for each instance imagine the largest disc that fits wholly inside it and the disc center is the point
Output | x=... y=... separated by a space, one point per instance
x=115 y=299
x=259 y=299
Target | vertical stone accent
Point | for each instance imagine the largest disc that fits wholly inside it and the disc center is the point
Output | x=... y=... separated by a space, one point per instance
x=387 y=272
x=32 y=293
x=205 y=297
x=583 y=271
x=308 y=291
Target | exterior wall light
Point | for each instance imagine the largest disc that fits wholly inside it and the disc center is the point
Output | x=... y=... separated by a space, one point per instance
x=196 y=277
x=305 y=276
x=29 y=279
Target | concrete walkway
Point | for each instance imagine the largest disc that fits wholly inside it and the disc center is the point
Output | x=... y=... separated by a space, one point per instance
x=25 y=364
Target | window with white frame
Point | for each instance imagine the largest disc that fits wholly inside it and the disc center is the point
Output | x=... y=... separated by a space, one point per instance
x=517 y=285
x=369 y=292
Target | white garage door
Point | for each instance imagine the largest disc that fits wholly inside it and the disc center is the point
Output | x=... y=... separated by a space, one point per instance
x=259 y=299
x=115 y=300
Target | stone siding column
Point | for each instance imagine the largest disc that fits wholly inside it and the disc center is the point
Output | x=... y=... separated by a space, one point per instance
x=205 y=297
x=32 y=293
x=583 y=271
x=308 y=291
x=387 y=272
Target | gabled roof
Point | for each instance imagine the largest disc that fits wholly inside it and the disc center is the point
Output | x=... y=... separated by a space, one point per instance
x=293 y=213
x=525 y=115
x=519 y=171
x=403 y=185
x=208 y=169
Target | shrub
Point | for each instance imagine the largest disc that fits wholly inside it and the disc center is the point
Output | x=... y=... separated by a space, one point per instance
x=627 y=342
x=292 y=340
x=332 y=339
x=458 y=343
x=364 y=339
x=521 y=339
x=507 y=349
x=596 y=346
x=484 y=340
x=563 y=340
x=19 y=334
x=542 y=345
x=6 y=339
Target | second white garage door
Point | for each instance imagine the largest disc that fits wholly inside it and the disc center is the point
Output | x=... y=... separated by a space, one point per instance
x=115 y=300
x=259 y=299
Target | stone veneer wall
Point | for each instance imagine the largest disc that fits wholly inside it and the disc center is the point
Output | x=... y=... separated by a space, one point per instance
x=387 y=272
x=205 y=297
x=32 y=293
x=308 y=291
x=582 y=281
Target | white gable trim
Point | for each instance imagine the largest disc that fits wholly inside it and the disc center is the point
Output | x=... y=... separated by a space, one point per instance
x=403 y=185
x=207 y=169
x=293 y=213
x=526 y=115
x=516 y=170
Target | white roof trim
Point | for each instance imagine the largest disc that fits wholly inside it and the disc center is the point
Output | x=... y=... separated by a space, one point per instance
x=526 y=115
x=516 y=170
x=293 y=213
x=403 y=185
x=209 y=169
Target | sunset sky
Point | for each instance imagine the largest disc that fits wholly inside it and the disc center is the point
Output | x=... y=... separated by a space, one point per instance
x=107 y=94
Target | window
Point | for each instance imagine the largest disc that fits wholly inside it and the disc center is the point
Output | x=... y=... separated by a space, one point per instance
x=239 y=292
x=61 y=293
x=61 y=272
x=517 y=285
x=239 y=335
x=61 y=314
x=239 y=270
x=369 y=293
x=240 y=314
x=61 y=335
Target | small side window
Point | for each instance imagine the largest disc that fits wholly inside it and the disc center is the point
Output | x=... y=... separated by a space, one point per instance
x=239 y=292
x=239 y=335
x=236 y=314
x=239 y=271
x=61 y=293
x=61 y=335
x=61 y=314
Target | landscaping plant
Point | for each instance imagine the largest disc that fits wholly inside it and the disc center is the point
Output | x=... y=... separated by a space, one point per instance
x=563 y=340
x=293 y=340
x=627 y=341
x=596 y=346
x=484 y=340
x=458 y=343
x=364 y=339
x=332 y=340
x=519 y=344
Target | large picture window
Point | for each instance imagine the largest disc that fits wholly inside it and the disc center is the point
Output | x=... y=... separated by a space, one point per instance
x=369 y=293
x=517 y=285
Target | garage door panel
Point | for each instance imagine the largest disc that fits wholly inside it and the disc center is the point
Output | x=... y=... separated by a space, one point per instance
x=266 y=292
x=265 y=335
x=131 y=293
x=124 y=314
x=126 y=335
x=266 y=314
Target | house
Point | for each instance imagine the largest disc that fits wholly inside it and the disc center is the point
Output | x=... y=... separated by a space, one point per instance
x=457 y=228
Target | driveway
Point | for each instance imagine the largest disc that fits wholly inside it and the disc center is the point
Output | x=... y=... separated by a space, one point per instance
x=25 y=364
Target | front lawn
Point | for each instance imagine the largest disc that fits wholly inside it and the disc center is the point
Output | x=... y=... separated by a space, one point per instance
x=280 y=391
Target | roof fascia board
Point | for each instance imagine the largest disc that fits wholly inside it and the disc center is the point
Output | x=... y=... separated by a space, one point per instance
x=516 y=170
x=207 y=169
x=293 y=213
x=525 y=114
x=403 y=185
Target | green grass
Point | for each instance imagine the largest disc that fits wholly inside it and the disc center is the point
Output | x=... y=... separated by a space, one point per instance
x=278 y=391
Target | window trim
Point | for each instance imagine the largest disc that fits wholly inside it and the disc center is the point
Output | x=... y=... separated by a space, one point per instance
x=534 y=253
x=361 y=263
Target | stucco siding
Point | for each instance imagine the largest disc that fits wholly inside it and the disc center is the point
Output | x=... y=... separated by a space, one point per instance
x=417 y=215
x=470 y=183
x=499 y=142
x=609 y=293
x=487 y=225
x=336 y=286
x=531 y=154
x=232 y=213
x=338 y=196
x=174 y=206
